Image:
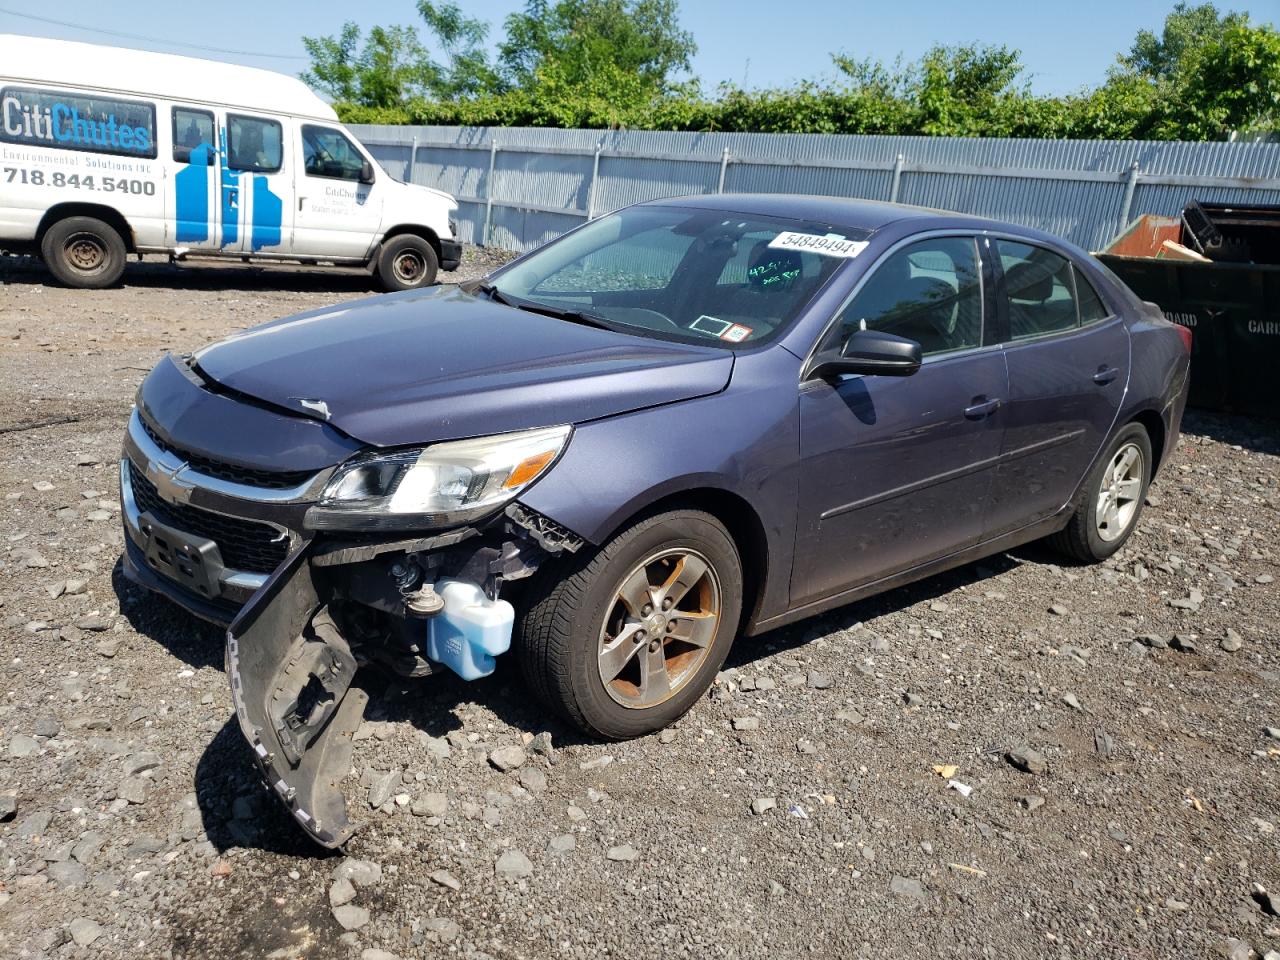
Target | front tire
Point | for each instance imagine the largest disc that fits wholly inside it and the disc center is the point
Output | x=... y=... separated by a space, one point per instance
x=1112 y=501
x=406 y=263
x=626 y=640
x=84 y=252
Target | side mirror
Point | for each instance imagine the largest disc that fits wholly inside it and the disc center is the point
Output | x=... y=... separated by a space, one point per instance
x=366 y=172
x=873 y=353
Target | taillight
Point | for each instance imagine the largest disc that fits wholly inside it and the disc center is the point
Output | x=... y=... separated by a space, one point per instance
x=1185 y=333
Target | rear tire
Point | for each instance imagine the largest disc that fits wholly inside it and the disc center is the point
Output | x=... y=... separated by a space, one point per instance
x=1112 y=500
x=407 y=262
x=587 y=619
x=83 y=252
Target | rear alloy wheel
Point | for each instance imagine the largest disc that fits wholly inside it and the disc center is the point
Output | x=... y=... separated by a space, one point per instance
x=625 y=641
x=83 y=252
x=406 y=263
x=1112 y=501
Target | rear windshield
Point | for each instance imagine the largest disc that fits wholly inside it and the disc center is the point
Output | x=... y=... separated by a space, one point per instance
x=687 y=274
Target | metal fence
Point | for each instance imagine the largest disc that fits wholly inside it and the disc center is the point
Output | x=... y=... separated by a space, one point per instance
x=519 y=187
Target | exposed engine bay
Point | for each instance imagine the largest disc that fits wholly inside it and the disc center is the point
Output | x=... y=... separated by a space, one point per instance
x=410 y=607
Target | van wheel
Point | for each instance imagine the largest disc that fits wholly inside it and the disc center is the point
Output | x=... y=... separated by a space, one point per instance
x=625 y=640
x=83 y=252
x=407 y=262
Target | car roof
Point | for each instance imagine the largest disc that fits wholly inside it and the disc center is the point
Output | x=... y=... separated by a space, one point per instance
x=97 y=67
x=850 y=212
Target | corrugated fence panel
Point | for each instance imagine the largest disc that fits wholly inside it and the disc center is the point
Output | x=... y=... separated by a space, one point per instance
x=543 y=180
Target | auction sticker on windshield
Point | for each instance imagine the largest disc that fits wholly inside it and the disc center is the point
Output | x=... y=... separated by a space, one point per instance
x=831 y=245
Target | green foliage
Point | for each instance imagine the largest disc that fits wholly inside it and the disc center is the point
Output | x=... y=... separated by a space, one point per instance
x=618 y=63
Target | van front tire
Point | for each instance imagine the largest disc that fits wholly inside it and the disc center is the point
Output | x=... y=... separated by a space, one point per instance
x=84 y=252
x=406 y=263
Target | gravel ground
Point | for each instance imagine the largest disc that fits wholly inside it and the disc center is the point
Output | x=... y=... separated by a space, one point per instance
x=1018 y=759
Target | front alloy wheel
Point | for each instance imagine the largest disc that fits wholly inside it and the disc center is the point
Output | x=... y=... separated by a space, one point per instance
x=624 y=641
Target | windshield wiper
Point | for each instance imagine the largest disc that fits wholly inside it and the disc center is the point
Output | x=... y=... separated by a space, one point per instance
x=562 y=313
x=492 y=292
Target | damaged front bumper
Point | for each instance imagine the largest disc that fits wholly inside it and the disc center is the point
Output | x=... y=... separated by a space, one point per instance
x=294 y=650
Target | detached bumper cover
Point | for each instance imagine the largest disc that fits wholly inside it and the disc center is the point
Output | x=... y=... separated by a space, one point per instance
x=290 y=672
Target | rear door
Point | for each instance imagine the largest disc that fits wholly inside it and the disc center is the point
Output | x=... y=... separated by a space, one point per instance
x=1068 y=360
x=257 y=184
x=337 y=215
x=896 y=471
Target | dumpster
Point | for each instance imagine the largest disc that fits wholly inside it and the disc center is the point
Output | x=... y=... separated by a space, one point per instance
x=1216 y=270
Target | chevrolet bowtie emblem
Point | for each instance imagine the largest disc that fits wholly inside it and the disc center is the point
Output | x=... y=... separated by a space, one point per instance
x=170 y=484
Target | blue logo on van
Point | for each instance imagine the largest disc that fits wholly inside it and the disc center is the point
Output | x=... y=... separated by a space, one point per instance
x=193 y=210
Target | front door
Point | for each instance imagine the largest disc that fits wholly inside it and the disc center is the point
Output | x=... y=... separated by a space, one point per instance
x=896 y=471
x=257 y=186
x=338 y=215
x=1068 y=360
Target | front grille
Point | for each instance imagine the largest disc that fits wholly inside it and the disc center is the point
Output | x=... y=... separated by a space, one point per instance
x=271 y=479
x=244 y=544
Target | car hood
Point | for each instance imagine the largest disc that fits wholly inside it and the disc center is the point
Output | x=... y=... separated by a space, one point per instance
x=442 y=364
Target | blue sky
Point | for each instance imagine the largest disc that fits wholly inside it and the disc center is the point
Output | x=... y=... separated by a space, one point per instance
x=762 y=42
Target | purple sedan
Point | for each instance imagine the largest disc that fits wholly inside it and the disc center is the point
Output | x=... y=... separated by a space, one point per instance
x=673 y=428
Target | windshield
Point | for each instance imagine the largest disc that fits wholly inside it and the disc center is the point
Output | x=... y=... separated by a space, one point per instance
x=681 y=273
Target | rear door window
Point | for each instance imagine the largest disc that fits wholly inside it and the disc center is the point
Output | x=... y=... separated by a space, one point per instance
x=1092 y=308
x=254 y=144
x=1039 y=288
x=193 y=129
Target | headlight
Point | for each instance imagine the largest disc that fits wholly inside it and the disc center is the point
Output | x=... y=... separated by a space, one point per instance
x=441 y=485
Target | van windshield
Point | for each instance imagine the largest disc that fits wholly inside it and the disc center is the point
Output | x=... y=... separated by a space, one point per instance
x=683 y=273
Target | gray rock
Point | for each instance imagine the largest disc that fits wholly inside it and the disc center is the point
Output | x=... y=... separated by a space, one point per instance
x=383 y=786
x=84 y=931
x=141 y=763
x=362 y=873
x=446 y=879
x=1231 y=641
x=342 y=891
x=763 y=805
x=541 y=744
x=8 y=807
x=133 y=789
x=507 y=759
x=596 y=763
x=1072 y=701
x=94 y=622
x=350 y=917
x=562 y=843
x=819 y=681
x=35 y=824
x=1059 y=609
x=1031 y=802
x=908 y=888
x=1183 y=642
x=1152 y=640
x=376 y=953
x=446 y=930
x=23 y=746
x=623 y=854
x=109 y=647
x=68 y=874
x=1027 y=760
x=746 y=723
x=1103 y=743
x=532 y=779
x=668 y=735
x=430 y=805
x=513 y=863
x=48 y=727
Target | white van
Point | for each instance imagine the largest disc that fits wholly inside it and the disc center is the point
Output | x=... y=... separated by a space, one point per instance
x=106 y=151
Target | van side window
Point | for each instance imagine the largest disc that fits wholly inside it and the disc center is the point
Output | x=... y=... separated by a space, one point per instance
x=254 y=144
x=193 y=129
x=77 y=121
x=328 y=153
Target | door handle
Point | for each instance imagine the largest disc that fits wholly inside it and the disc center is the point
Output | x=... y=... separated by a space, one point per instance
x=301 y=201
x=1106 y=374
x=981 y=408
